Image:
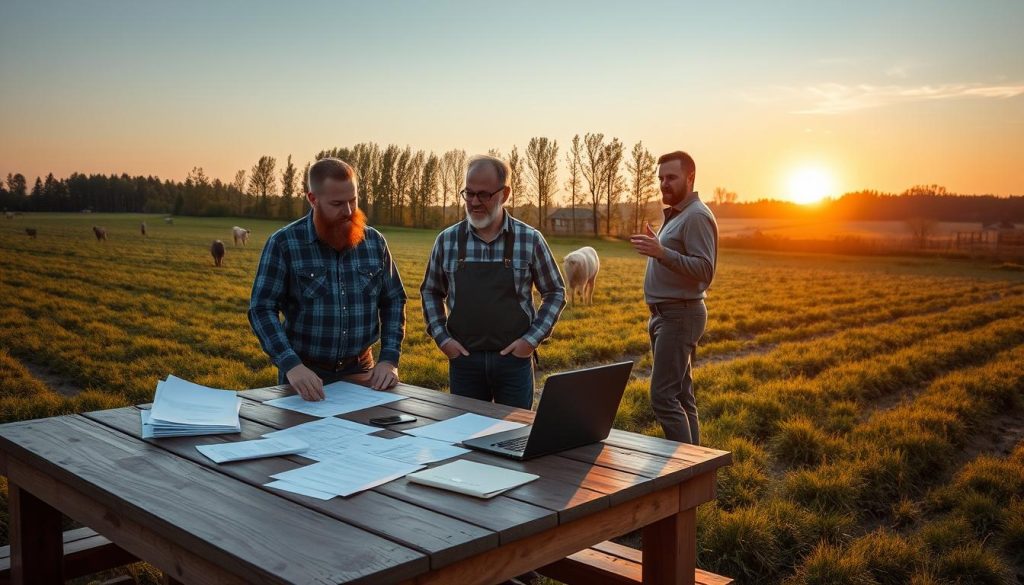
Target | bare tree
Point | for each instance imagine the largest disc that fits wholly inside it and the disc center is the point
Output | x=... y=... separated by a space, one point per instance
x=262 y=182
x=384 y=187
x=722 y=196
x=921 y=228
x=542 y=160
x=593 y=171
x=452 y=171
x=574 y=183
x=614 y=183
x=289 y=178
x=515 y=177
x=366 y=160
x=643 y=175
x=429 y=183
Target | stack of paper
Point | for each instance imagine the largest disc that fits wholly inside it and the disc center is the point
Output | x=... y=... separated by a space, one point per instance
x=471 y=478
x=241 y=450
x=339 y=398
x=462 y=427
x=341 y=476
x=182 y=408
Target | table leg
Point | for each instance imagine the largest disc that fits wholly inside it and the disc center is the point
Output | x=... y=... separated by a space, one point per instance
x=37 y=542
x=670 y=549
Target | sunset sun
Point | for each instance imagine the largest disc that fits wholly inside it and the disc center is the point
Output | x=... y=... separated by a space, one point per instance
x=810 y=185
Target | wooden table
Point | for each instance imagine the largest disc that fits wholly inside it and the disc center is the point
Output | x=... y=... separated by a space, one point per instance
x=199 y=522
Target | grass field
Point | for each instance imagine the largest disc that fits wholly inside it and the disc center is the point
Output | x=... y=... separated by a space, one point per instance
x=874 y=406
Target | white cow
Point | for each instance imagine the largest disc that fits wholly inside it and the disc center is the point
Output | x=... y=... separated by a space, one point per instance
x=581 y=267
x=240 y=235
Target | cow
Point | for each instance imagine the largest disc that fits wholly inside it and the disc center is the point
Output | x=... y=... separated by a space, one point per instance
x=30 y=232
x=142 y=229
x=9 y=214
x=101 y=233
x=240 y=235
x=217 y=250
x=169 y=220
x=581 y=267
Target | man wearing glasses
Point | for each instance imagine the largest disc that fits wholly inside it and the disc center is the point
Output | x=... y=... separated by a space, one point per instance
x=478 y=292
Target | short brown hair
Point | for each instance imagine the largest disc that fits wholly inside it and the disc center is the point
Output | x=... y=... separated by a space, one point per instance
x=329 y=168
x=687 y=161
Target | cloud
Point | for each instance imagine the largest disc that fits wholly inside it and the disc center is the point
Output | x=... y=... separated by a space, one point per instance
x=839 y=98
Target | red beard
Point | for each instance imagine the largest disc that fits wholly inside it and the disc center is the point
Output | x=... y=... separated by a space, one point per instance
x=340 y=234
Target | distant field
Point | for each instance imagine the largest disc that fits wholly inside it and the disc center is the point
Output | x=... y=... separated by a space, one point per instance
x=826 y=230
x=873 y=405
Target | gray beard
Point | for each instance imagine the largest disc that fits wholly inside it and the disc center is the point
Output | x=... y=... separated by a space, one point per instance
x=483 y=223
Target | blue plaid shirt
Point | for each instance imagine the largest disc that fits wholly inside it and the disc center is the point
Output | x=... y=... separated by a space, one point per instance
x=532 y=263
x=335 y=305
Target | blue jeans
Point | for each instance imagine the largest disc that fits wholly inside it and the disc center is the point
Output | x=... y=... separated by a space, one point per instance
x=490 y=376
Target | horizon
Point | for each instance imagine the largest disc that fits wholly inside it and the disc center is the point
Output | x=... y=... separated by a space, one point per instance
x=796 y=104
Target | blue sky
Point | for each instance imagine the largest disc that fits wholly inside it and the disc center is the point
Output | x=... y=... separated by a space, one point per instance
x=879 y=95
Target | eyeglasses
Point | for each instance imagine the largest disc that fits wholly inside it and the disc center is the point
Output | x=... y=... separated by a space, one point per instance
x=483 y=196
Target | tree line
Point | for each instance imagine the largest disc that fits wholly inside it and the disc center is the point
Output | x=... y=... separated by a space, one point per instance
x=607 y=190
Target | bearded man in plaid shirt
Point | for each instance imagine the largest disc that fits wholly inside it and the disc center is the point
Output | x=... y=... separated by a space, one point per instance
x=333 y=279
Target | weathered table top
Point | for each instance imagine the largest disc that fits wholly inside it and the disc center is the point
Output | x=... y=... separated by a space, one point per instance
x=165 y=502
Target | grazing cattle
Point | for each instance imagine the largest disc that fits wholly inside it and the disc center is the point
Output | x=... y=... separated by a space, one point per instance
x=217 y=250
x=30 y=232
x=169 y=220
x=581 y=267
x=9 y=214
x=142 y=228
x=240 y=234
x=101 y=233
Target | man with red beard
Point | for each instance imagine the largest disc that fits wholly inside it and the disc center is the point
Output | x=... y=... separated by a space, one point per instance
x=333 y=279
x=681 y=262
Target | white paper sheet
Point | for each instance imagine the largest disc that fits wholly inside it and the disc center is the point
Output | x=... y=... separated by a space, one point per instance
x=416 y=450
x=182 y=402
x=339 y=398
x=324 y=435
x=348 y=474
x=242 y=450
x=301 y=490
x=462 y=427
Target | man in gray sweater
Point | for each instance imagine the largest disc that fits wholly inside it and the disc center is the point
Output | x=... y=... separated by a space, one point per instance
x=680 y=267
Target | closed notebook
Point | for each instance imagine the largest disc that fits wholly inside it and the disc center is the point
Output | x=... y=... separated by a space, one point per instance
x=471 y=478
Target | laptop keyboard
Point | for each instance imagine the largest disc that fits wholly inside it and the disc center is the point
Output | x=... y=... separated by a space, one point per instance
x=516 y=444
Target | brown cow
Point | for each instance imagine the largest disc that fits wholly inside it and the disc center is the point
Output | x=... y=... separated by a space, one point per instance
x=142 y=228
x=101 y=233
x=31 y=232
x=217 y=250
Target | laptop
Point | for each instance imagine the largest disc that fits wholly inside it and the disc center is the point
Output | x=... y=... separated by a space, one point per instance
x=576 y=408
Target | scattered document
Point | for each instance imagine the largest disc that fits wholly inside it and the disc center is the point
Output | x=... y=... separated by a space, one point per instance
x=416 y=450
x=471 y=478
x=298 y=489
x=344 y=476
x=339 y=398
x=181 y=408
x=241 y=450
x=462 y=427
x=328 y=436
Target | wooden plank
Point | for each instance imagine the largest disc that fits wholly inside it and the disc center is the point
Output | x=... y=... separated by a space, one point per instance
x=552 y=545
x=444 y=538
x=662 y=470
x=105 y=479
x=670 y=549
x=37 y=548
x=608 y=562
x=702 y=458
